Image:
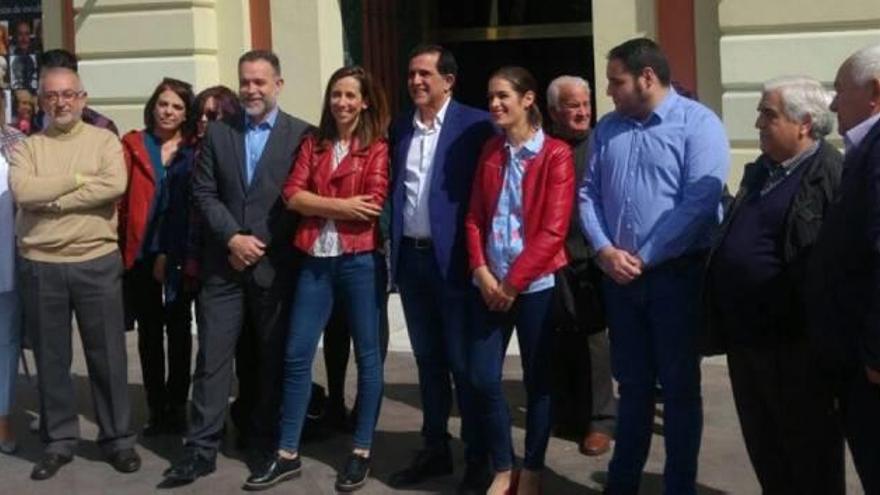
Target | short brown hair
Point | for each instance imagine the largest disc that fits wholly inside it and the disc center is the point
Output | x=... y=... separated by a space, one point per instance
x=373 y=120
x=264 y=55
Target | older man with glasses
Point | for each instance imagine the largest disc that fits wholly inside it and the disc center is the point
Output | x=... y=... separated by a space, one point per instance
x=65 y=182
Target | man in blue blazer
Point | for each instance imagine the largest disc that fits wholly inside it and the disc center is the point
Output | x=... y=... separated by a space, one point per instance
x=436 y=147
x=843 y=284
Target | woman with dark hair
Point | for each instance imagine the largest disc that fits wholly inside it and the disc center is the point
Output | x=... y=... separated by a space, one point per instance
x=338 y=184
x=215 y=103
x=516 y=226
x=154 y=230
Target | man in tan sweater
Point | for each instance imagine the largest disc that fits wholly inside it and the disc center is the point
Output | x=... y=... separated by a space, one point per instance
x=65 y=182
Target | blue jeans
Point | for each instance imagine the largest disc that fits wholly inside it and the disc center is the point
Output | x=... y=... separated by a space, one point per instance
x=354 y=279
x=10 y=347
x=532 y=316
x=654 y=323
x=437 y=321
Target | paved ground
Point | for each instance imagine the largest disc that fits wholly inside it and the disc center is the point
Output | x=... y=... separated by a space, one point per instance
x=724 y=467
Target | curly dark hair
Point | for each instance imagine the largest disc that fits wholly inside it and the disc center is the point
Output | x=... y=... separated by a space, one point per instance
x=227 y=103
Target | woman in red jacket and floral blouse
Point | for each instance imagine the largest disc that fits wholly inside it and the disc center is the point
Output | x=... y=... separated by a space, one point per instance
x=338 y=184
x=516 y=225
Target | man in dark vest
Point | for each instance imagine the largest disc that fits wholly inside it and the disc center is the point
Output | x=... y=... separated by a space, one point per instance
x=754 y=289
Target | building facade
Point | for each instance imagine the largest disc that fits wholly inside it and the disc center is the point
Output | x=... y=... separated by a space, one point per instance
x=720 y=49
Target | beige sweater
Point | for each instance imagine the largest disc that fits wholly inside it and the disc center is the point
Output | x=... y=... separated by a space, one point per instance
x=60 y=218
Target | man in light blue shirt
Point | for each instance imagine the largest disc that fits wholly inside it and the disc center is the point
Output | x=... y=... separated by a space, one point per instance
x=648 y=204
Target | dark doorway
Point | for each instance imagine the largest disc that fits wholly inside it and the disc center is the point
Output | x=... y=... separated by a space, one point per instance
x=548 y=37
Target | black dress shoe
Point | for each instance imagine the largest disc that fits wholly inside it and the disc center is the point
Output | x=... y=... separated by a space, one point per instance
x=428 y=463
x=476 y=480
x=49 y=465
x=275 y=471
x=187 y=470
x=354 y=475
x=125 y=460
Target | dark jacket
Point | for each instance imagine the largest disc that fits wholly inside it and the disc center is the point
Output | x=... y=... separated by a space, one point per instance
x=464 y=131
x=173 y=215
x=801 y=226
x=229 y=205
x=578 y=303
x=547 y=201
x=843 y=285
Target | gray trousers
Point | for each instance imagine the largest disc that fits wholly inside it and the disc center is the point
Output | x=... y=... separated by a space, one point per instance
x=91 y=290
x=226 y=309
x=604 y=410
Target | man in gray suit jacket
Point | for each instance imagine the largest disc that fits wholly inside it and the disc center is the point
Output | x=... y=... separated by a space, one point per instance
x=247 y=261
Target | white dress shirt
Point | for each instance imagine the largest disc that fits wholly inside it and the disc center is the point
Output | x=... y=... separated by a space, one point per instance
x=417 y=178
x=327 y=244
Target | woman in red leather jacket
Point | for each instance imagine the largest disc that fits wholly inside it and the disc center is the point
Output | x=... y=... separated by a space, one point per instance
x=154 y=229
x=516 y=226
x=338 y=184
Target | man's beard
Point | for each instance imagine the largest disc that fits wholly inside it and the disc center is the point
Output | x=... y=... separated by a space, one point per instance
x=265 y=106
x=69 y=121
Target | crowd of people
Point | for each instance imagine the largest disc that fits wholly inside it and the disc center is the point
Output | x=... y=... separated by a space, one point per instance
x=280 y=232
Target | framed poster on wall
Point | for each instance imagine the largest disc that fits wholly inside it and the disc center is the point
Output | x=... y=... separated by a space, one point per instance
x=21 y=43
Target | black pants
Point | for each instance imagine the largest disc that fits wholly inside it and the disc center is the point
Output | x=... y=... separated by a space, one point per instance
x=787 y=417
x=337 y=350
x=228 y=308
x=154 y=320
x=858 y=413
x=583 y=390
x=92 y=291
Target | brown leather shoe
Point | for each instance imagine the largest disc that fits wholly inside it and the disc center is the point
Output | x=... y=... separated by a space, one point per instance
x=596 y=443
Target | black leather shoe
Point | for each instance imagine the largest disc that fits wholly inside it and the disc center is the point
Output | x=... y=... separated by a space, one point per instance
x=476 y=480
x=125 y=460
x=187 y=470
x=49 y=465
x=275 y=471
x=354 y=475
x=428 y=463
